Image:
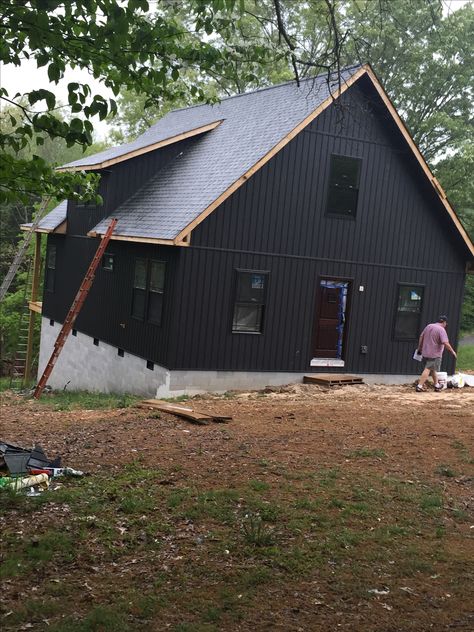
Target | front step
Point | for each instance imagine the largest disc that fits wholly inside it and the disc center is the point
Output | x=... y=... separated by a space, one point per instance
x=332 y=379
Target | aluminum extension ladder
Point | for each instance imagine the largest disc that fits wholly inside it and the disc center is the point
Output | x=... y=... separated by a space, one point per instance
x=75 y=309
x=22 y=250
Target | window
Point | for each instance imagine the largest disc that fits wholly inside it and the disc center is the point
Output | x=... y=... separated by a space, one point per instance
x=50 y=268
x=108 y=262
x=407 y=321
x=343 y=186
x=249 y=304
x=148 y=290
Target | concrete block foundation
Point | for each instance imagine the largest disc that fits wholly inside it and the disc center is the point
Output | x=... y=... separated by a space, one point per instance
x=83 y=365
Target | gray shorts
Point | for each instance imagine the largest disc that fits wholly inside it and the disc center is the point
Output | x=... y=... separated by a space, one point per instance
x=432 y=363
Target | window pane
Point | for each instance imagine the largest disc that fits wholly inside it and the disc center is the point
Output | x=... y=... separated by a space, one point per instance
x=140 y=274
x=344 y=171
x=51 y=263
x=138 y=304
x=409 y=299
x=406 y=326
x=250 y=287
x=157 y=276
x=155 y=307
x=407 y=323
x=343 y=186
x=108 y=262
x=342 y=201
x=247 y=318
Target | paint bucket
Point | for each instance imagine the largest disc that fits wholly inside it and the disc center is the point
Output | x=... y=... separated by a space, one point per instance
x=443 y=379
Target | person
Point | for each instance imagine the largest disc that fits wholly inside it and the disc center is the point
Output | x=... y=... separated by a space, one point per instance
x=433 y=341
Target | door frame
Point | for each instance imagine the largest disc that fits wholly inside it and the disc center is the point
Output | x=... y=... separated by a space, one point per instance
x=336 y=278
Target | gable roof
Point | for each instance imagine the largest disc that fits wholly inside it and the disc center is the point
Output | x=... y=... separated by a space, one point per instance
x=247 y=131
x=254 y=125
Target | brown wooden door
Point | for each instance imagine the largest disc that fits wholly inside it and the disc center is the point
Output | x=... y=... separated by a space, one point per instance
x=327 y=323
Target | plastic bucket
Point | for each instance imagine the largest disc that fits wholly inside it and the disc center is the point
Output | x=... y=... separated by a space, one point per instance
x=443 y=379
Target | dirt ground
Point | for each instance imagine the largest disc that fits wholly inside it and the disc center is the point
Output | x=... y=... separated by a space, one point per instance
x=379 y=432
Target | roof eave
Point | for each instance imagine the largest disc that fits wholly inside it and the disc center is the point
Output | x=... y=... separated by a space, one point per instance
x=142 y=150
x=143 y=240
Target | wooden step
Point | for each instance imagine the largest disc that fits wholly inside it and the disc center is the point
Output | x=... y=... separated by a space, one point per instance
x=332 y=379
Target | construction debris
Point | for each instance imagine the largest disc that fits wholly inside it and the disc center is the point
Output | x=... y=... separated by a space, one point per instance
x=29 y=468
x=185 y=412
x=17 y=460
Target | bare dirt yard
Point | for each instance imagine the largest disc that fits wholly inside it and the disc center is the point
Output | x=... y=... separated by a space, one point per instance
x=314 y=509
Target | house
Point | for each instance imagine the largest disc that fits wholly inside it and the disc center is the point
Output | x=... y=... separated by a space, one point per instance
x=277 y=233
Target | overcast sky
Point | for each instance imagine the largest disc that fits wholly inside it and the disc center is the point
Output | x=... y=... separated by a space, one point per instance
x=28 y=77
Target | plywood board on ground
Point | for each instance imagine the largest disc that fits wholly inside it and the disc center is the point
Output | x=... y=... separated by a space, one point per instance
x=332 y=379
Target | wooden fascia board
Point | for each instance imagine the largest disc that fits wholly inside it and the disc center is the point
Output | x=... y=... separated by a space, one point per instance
x=268 y=156
x=37 y=230
x=141 y=240
x=144 y=150
x=407 y=136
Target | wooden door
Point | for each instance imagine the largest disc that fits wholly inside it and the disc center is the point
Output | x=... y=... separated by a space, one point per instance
x=328 y=322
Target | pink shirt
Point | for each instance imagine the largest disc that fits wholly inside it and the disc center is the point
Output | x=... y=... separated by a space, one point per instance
x=434 y=339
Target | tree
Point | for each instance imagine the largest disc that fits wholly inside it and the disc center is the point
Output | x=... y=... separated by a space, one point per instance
x=120 y=44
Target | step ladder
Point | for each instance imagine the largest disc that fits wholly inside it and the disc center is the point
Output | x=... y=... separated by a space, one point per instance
x=75 y=309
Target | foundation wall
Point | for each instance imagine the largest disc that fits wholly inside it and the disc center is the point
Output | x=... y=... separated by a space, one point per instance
x=82 y=365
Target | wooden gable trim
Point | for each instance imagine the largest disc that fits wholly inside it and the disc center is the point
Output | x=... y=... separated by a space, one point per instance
x=258 y=165
x=141 y=240
x=60 y=228
x=144 y=150
x=418 y=155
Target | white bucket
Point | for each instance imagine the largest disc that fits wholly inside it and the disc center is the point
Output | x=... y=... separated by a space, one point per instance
x=443 y=379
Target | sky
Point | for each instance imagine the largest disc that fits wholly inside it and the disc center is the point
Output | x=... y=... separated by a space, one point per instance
x=28 y=77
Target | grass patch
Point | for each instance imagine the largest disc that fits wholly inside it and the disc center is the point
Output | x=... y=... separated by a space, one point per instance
x=367 y=453
x=180 y=398
x=72 y=400
x=445 y=470
x=149 y=551
x=465 y=360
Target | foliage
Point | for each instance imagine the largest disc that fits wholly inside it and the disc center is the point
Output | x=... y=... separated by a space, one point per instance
x=122 y=46
x=465 y=361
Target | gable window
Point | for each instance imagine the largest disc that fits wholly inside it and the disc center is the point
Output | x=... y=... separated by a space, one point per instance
x=409 y=306
x=343 y=186
x=108 y=262
x=50 y=268
x=148 y=290
x=249 y=306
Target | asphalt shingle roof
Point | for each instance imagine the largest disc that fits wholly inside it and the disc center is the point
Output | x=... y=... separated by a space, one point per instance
x=252 y=124
x=55 y=217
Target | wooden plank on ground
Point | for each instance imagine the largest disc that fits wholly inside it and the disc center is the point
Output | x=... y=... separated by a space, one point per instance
x=185 y=411
x=332 y=379
x=180 y=411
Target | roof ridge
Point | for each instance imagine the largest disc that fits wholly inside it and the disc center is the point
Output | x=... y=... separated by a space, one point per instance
x=263 y=89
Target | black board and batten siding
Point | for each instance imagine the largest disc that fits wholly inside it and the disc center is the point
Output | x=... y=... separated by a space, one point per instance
x=276 y=222
x=118 y=183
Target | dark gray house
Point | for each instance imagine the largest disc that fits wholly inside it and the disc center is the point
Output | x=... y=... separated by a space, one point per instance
x=275 y=234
